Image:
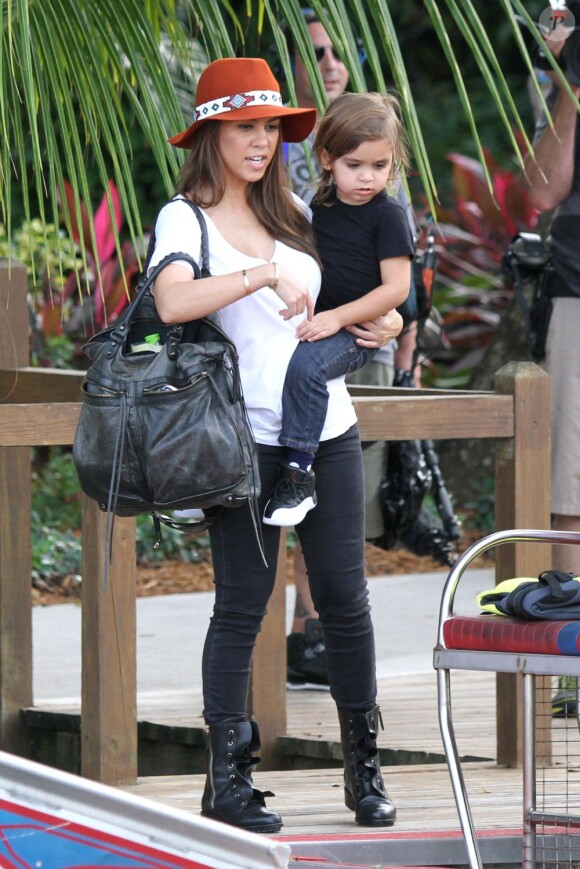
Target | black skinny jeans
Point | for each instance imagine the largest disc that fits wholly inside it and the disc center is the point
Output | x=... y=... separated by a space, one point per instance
x=332 y=538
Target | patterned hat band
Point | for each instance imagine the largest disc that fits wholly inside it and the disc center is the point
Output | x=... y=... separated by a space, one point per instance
x=258 y=96
x=237 y=101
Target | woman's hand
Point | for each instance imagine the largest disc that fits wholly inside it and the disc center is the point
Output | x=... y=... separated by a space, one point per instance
x=294 y=294
x=377 y=333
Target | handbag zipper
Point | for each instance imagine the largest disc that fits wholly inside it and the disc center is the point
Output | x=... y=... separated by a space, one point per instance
x=168 y=387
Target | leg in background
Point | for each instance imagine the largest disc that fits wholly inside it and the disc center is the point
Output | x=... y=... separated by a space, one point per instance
x=305 y=648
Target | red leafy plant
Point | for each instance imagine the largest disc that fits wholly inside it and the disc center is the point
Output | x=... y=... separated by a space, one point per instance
x=92 y=298
x=471 y=237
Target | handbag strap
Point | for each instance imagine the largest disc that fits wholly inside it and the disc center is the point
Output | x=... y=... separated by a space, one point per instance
x=120 y=330
x=204 y=249
x=146 y=280
x=205 y=272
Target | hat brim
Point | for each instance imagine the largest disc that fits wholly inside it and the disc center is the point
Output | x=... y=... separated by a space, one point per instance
x=296 y=124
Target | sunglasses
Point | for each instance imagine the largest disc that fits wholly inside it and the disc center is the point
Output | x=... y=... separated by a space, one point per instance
x=320 y=51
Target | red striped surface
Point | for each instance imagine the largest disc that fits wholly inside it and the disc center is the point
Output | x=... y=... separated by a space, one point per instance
x=502 y=634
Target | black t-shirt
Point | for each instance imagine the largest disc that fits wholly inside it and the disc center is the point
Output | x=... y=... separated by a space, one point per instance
x=352 y=240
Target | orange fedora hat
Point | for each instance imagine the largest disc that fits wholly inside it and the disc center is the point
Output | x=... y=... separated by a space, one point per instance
x=238 y=88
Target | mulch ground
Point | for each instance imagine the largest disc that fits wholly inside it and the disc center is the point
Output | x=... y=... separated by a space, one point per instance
x=179 y=577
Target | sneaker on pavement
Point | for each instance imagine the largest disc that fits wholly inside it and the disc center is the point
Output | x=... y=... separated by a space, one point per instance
x=293 y=496
x=307 y=669
x=565 y=702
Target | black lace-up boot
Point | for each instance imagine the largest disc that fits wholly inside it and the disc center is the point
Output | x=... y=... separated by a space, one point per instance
x=229 y=793
x=364 y=790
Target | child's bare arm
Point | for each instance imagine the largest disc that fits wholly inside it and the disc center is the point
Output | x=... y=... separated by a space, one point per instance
x=396 y=280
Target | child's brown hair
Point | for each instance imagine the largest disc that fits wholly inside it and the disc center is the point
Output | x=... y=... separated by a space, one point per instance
x=352 y=119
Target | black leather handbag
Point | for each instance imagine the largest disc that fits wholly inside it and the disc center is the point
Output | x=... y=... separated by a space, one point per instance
x=163 y=424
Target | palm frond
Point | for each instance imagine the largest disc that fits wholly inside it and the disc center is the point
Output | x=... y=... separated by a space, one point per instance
x=77 y=77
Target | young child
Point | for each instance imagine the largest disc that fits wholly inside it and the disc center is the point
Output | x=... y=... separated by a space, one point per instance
x=366 y=247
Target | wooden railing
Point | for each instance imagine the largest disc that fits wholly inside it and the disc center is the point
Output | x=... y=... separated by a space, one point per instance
x=516 y=415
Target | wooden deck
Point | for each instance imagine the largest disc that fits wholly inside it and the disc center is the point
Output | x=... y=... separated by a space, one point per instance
x=409 y=709
x=316 y=822
x=427 y=831
x=311 y=801
x=322 y=832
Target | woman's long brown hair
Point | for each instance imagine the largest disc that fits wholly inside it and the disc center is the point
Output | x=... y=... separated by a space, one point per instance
x=202 y=180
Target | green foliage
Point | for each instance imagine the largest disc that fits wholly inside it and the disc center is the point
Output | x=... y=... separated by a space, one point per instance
x=54 y=351
x=175 y=545
x=436 y=100
x=471 y=293
x=56 y=553
x=56 y=512
x=480 y=507
x=87 y=90
x=48 y=253
x=50 y=256
x=56 y=499
x=56 y=522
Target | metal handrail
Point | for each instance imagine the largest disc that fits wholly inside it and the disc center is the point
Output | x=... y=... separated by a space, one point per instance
x=481 y=546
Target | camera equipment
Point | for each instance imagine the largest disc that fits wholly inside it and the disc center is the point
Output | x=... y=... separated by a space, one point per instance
x=527 y=260
x=527 y=255
x=412 y=472
x=569 y=58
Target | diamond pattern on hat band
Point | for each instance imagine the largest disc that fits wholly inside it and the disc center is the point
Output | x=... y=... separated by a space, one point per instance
x=237 y=101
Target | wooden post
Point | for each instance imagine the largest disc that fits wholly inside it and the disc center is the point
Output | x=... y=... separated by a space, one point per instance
x=267 y=701
x=522 y=500
x=15 y=527
x=109 y=651
x=14 y=322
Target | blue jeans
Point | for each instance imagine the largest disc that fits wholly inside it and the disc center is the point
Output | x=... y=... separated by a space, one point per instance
x=332 y=539
x=305 y=395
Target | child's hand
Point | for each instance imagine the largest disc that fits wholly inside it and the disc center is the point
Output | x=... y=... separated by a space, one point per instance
x=294 y=294
x=320 y=326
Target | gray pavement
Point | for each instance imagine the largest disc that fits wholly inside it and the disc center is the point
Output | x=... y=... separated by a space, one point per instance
x=171 y=631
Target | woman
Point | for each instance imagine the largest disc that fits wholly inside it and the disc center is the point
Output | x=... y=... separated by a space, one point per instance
x=265 y=277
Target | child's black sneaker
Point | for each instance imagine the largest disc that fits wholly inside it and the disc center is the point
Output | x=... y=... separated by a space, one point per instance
x=293 y=496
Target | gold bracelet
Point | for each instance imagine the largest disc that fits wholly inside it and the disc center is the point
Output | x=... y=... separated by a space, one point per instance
x=276 y=280
x=246 y=282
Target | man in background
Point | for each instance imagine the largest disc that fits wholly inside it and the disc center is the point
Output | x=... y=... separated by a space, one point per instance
x=554 y=177
x=335 y=78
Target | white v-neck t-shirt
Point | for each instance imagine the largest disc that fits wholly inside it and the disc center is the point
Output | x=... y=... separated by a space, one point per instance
x=264 y=341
